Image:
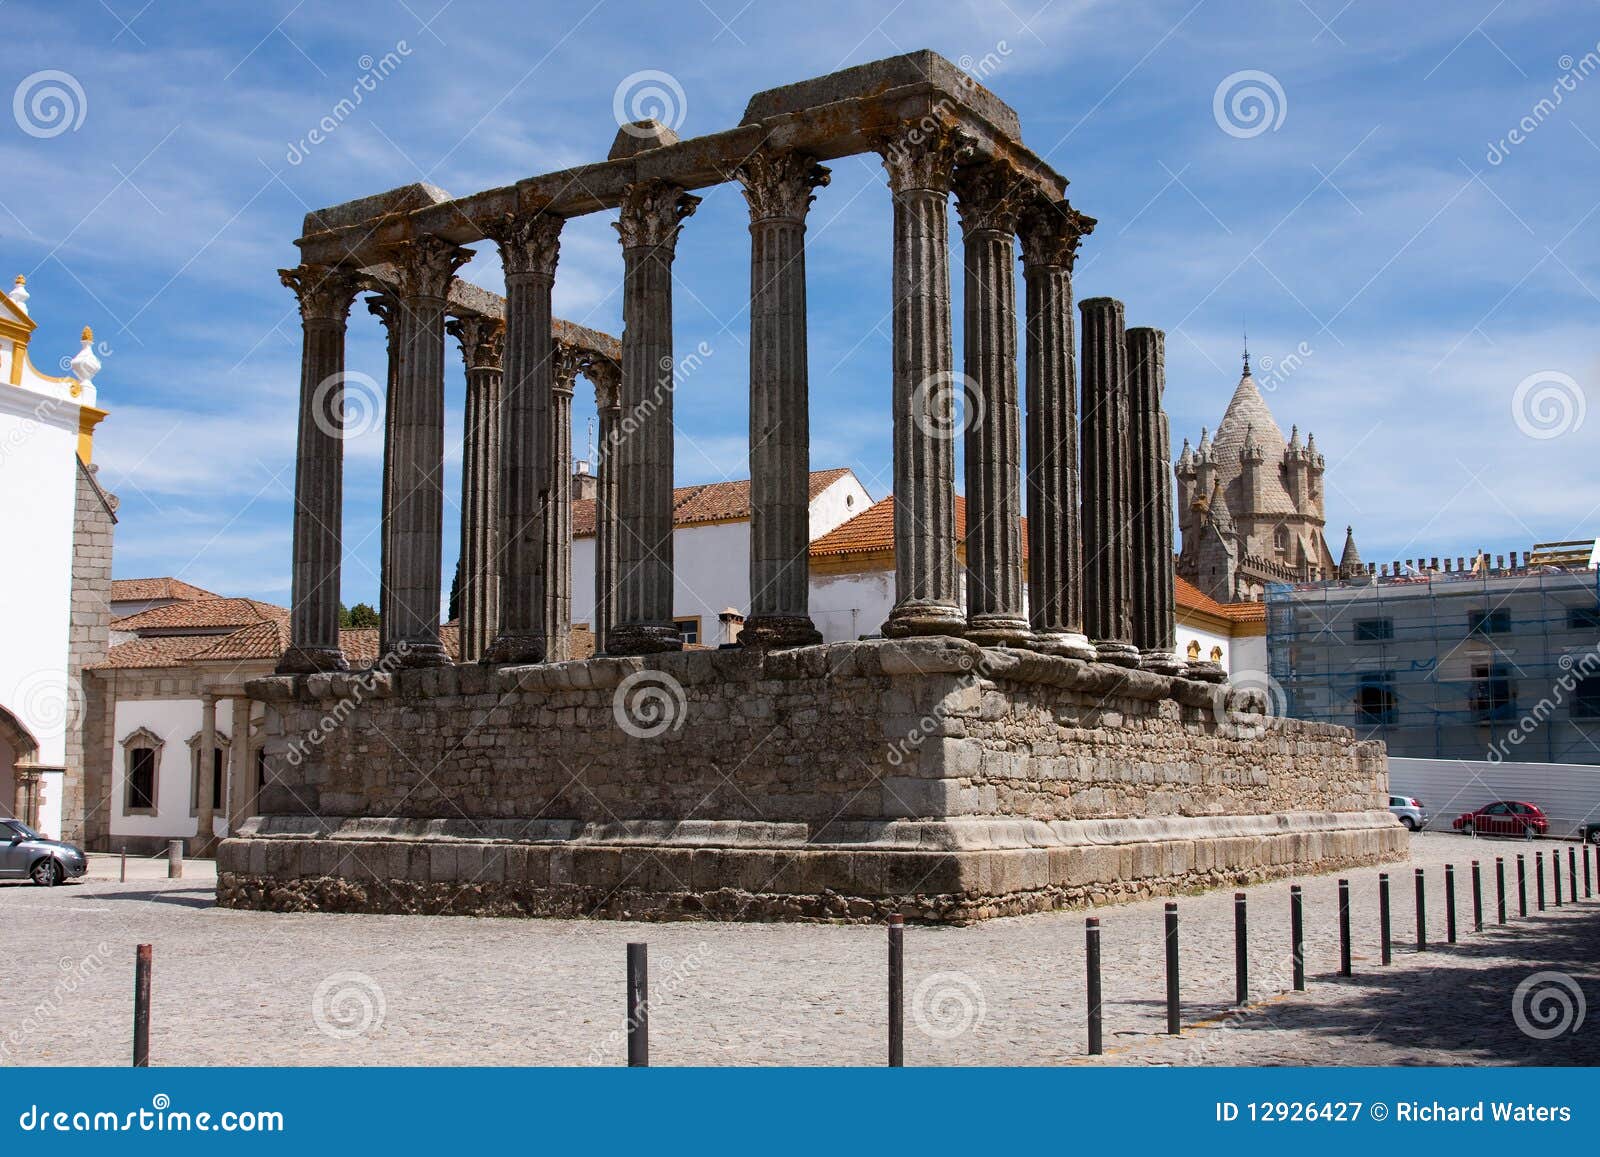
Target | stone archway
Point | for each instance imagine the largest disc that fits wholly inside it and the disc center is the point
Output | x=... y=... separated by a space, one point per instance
x=19 y=782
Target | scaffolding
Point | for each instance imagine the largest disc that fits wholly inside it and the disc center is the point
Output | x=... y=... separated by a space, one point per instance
x=1493 y=663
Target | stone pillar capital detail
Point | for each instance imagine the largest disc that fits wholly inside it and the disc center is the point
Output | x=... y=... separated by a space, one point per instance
x=425 y=267
x=652 y=213
x=1051 y=234
x=778 y=185
x=384 y=307
x=325 y=292
x=528 y=242
x=482 y=340
x=991 y=197
x=567 y=361
x=607 y=378
x=920 y=156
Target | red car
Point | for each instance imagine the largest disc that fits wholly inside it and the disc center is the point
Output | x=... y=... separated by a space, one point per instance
x=1504 y=818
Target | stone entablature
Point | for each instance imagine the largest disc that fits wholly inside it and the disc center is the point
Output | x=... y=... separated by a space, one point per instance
x=1006 y=781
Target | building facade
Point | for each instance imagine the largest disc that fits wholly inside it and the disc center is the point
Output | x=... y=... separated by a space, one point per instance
x=1485 y=660
x=1250 y=503
x=58 y=522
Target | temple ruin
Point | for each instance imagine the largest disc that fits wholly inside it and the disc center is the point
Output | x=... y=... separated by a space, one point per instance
x=990 y=757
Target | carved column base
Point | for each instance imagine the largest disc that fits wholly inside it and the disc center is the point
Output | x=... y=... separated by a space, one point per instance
x=774 y=631
x=515 y=649
x=924 y=618
x=310 y=660
x=407 y=654
x=1161 y=662
x=999 y=630
x=1065 y=644
x=1205 y=672
x=643 y=639
x=1116 y=653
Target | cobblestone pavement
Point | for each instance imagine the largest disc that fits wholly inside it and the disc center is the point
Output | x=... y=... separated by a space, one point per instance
x=261 y=988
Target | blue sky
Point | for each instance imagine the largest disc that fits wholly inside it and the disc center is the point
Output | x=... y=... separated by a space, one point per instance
x=1384 y=228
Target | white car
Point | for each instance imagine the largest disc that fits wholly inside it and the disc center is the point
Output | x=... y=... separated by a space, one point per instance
x=1409 y=811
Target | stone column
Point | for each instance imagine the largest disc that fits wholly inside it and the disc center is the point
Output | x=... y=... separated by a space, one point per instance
x=387 y=310
x=778 y=187
x=529 y=246
x=652 y=213
x=920 y=163
x=990 y=199
x=607 y=378
x=425 y=268
x=1150 y=497
x=241 y=769
x=1050 y=238
x=325 y=296
x=558 y=537
x=482 y=343
x=206 y=813
x=1107 y=535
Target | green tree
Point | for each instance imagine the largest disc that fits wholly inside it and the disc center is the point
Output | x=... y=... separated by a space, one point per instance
x=360 y=615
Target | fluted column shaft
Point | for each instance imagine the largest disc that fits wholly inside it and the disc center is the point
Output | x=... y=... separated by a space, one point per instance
x=648 y=227
x=1051 y=235
x=325 y=296
x=425 y=268
x=988 y=199
x=558 y=538
x=778 y=187
x=927 y=598
x=607 y=378
x=1107 y=534
x=482 y=345
x=1150 y=498
x=387 y=310
x=529 y=247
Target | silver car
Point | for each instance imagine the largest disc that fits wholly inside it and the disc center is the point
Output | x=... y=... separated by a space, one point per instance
x=1409 y=811
x=24 y=853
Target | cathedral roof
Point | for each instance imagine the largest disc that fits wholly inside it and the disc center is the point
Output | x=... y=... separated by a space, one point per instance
x=1350 y=560
x=1248 y=418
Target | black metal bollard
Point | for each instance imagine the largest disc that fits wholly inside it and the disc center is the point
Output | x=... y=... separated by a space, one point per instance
x=897 y=991
x=141 y=1006
x=1091 y=948
x=1386 y=944
x=1587 y=892
x=1477 y=897
x=1422 y=913
x=1500 y=884
x=1241 y=951
x=1538 y=878
x=1174 y=1023
x=1345 y=968
x=1555 y=874
x=1450 y=903
x=1522 y=885
x=1572 y=872
x=1297 y=935
x=638 y=1006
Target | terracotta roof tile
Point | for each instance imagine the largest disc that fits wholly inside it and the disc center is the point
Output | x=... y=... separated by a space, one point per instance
x=141 y=589
x=262 y=641
x=709 y=502
x=170 y=651
x=203 y=613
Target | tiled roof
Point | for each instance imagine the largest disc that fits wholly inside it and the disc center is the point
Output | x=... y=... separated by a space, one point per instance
x=170 y=651
x=709 y=502
x=141 y=589
x=259 y=641
x=203 y=613
x=873 y=530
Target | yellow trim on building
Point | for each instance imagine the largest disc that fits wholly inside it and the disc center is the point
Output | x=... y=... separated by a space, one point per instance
x=88 y=419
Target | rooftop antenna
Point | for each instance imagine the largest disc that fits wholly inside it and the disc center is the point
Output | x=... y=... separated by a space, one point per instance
x=1246 y=327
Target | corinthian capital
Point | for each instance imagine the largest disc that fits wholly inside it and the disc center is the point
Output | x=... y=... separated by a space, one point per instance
x=991 y=197
x=566 y=361
x=652 y=213
x=528 y=242
x=607 y=378
x=425 y=267
x=778 y=185
x=482 y=340
x=923 y=155
x=325 y=291
x=1051 y=233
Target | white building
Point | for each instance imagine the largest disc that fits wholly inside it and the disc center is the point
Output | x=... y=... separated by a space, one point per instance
x=58 y=529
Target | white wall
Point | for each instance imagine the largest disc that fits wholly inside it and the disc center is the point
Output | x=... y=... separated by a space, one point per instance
x=175 y=721
x=38 y=492
x=1567 y=793
x=52 y=785
x=847 y=606
x=838 y=504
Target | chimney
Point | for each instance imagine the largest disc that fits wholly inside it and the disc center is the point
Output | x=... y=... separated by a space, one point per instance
x=584 y=485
